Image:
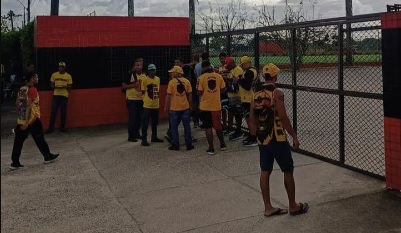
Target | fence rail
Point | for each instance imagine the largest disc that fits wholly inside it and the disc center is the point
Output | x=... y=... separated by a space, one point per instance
x=331 y=77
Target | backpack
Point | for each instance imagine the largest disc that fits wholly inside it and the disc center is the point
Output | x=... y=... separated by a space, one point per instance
x=264 y=112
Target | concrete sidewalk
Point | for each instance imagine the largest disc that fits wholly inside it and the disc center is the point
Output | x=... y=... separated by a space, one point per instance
x=102 y=183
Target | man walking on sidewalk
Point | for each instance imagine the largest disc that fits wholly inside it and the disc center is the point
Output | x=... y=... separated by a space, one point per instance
x=61 y=82
x=270 y=117
x=150 y=87
x=178 y=103
x=29 y=122
x=210 y=86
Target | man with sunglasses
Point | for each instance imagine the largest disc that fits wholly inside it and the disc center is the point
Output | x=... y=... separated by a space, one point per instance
x=61 y=82
x=269 y=115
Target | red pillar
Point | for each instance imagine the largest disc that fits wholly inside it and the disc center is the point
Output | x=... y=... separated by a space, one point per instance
x=391 y=46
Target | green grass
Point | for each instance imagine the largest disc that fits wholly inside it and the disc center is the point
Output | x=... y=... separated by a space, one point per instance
x=285 y=60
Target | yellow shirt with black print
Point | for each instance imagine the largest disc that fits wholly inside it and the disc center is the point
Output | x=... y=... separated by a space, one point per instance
x=151 y=87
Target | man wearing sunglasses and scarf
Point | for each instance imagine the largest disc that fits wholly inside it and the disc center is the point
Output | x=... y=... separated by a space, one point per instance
x=271 y=120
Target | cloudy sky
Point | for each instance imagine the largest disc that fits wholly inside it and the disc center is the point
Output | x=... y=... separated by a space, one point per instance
x=170 y=8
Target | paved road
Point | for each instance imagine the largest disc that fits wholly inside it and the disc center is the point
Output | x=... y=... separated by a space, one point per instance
x=102 y=183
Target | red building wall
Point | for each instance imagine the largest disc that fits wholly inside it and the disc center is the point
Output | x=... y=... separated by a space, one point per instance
x=92 y=107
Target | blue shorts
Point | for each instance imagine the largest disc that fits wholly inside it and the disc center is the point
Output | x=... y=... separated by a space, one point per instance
x=279 y=151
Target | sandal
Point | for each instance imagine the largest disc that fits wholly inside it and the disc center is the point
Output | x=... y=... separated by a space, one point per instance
x=277 y=212
x=303 y=208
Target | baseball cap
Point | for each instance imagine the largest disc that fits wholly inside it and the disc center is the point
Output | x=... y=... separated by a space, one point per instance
x=270 y=69
x=245 y=59
x=62 y=64
x=176 y=69
x=151 y=67
x=229 y=60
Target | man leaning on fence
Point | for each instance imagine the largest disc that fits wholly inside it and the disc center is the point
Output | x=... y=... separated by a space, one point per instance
x=270 y=118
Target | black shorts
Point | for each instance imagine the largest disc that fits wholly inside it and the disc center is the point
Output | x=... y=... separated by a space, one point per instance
x=246 y=107
x=279 y=151
x=211 y=119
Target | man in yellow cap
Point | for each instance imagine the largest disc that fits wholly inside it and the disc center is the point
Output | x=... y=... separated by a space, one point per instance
x=271 y=120
x=178 y=104
x=150 y=87
x=245 y=82
x=61 y=82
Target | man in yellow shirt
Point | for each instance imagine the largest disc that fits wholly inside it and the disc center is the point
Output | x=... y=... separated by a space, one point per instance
x=222 y=70
x=210 y=87
x=134 y=97
x=29 y=122
x=234 y=100
x=150 y=87
x=178 y=104
x=245 y=82
x=61 y=82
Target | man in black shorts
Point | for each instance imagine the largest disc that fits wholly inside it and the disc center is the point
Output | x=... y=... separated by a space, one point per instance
x=270 y=118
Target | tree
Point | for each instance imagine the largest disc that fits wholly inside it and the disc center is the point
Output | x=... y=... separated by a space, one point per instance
x=4 y=25
x=224 y=17
x=11 y=16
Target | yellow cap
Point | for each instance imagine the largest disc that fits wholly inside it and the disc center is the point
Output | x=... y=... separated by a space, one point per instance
x=176 y=69
x=271 y=69
x=245 y=59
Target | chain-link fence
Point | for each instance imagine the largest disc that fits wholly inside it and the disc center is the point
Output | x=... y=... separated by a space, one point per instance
x=331 y=78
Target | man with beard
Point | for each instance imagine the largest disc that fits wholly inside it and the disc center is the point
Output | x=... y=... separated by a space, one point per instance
x=178 y=104
x=210 y=86
x=150 y=89
x=271 y=120
x=29 y=123
x=134 y=96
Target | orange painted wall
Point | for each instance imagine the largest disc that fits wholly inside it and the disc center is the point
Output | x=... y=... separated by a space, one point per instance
x=93 y=107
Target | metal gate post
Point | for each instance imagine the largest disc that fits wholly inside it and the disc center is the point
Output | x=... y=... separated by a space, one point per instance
x=207 y=44
x=256 y=51
x=294 y=78
x=341 y=127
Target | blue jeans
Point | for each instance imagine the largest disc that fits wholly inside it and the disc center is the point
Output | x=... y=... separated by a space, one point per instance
x=135 y=109
x=59 y=101
x=175 y=119
x=153 y=115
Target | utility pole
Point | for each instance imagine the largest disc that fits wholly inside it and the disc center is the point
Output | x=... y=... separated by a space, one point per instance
x=10 y=16
x=24 y=10
x=29 y=11
x=131 y=8
x=192 y=16
x=54 y=7
x=348 y=42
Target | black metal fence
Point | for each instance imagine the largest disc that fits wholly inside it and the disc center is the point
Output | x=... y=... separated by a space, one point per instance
x=332 y=80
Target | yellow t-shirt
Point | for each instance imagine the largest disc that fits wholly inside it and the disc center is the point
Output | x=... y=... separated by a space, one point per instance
x=246 y=96
x=178 y=92
x=151 y=86
x=135 y=93
x=210 y=84
x=61 y=80
x=236 y=72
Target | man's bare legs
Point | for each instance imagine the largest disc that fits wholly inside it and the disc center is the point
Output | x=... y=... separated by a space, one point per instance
x=265 y=187
x=289 y=185
x=209 y=137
